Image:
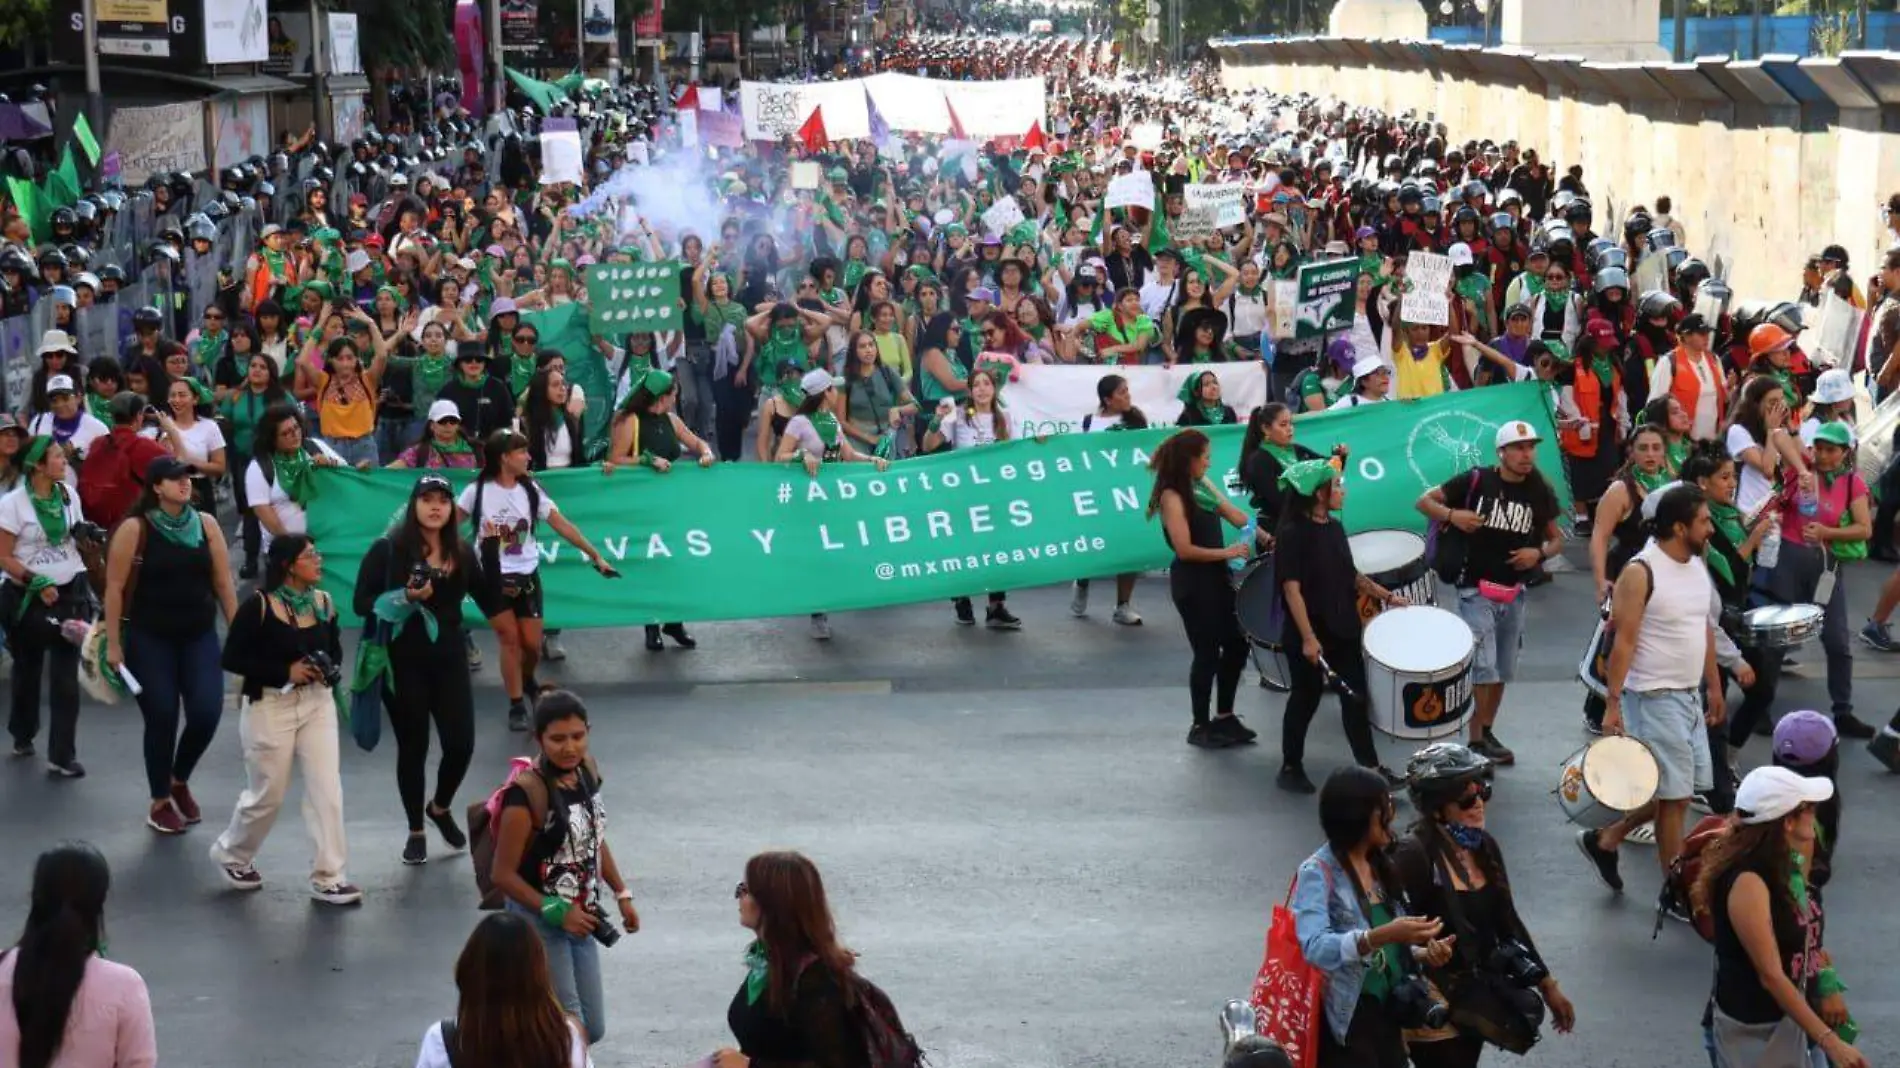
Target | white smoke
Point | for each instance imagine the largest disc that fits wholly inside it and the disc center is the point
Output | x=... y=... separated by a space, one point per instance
x=674 y=194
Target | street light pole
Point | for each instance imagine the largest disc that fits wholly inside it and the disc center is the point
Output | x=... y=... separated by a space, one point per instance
x=95 y=99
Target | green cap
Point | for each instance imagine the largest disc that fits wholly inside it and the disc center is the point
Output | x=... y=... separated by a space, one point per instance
x=1835 y=434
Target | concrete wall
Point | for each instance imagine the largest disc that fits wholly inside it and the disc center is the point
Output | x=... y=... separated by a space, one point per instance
x=1767 y=161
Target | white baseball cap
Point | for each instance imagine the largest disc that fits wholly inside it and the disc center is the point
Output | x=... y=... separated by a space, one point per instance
x=815 y=382
x=1366 y=365
x=444 y=408
x=1459 y=254
x=1834 y=386
x=60 y=384
x=1770 y=793
x=1515 y=431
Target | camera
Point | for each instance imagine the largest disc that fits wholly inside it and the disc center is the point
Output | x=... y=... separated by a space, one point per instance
x=422 y=575
x=88 y=532
x=1415 y=1006
x=150 y=418
x=604 y=930
x=1513 y=962
x=328 y=668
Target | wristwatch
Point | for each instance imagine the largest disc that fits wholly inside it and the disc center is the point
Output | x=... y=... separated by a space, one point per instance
x=624 y=895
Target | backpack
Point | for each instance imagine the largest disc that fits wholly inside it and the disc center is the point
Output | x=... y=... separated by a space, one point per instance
x=1686 y=869
x=887 y=1043
x=108 y=487
x=485 y=816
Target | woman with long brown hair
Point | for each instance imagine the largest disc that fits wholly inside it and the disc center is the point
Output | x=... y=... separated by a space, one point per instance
x=800 y=994
x=1191 y=508
x=506 y=1013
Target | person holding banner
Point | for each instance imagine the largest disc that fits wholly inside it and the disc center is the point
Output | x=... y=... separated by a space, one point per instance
x=1201 y=403
x=1114 y=410
x=816 y=436
x=504 y=505
x=980 y=420
x=1371 y=384
x=648 y=432
x=1192 y=509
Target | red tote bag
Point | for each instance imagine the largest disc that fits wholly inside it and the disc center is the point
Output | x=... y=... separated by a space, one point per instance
x=1289 y=995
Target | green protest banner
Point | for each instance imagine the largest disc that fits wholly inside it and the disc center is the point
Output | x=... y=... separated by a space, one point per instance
x=743 y=541
x=82 y=133
x=26 y=200
x=628 y=298
x=1326 y=297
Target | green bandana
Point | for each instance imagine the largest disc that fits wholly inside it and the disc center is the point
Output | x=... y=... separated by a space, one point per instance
x=429 y=375
x=653 y=380
x=1651 y=482
x=1675 y=453
x=457 y=446
x=1282 y=453
x=786 y=344
x=826 y=424
x=1605 y=371
x=299 y=604
x=754 y=973
x=51 y=512
x=792 y=394
x=184 y=529
x=1728 y=523
x=520 y=372
x=100 y=407
x=401 y=304
x=1307 y=476
x=1474 y=288
x=208 y=347
x=296 y=475
x=1207 y=497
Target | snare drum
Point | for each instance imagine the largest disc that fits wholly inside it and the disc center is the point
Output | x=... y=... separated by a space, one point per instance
x=1782 y=626
x=1418 y=666
x=1394 y=559
x=1606 y=780
x=1257 y=603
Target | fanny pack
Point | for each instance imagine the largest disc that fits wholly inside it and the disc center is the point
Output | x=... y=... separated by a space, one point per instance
x=1498 y=593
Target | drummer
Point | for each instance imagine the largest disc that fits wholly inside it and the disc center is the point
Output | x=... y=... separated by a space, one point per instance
x=1321 y=588
x=1731 y=556
x=1663 y=658
x=1618 y=533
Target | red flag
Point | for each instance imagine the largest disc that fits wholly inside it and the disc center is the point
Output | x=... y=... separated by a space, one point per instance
x=1034 y=138
x=956 y=124
x=812 y=134
x=689 y=100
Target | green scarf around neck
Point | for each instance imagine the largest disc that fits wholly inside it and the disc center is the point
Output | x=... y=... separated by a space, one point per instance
x=50 y=510
x=785 y=345
x=755 y=973
x=826 y=424
x=1605 y=369
x=300 y=603
x=1282 y=453
x=184 y=529
x=297 y=475
x=1728 y=523
x=520 y=373
x=1651 y=481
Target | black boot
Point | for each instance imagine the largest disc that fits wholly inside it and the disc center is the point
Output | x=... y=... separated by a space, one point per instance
x=677 y=632
x=654 y=644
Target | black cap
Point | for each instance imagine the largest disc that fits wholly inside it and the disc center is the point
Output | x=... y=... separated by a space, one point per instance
x=166 y=468
x=1835 y=254
x=1694 y=323
x=470 y=350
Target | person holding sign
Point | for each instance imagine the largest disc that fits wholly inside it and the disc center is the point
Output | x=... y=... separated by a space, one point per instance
x=980 y=420
x=816 y=436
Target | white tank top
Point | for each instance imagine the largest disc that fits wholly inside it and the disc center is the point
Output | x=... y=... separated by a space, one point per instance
x=1673 y=641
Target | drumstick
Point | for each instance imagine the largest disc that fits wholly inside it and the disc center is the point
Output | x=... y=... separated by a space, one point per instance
x=1333 y=678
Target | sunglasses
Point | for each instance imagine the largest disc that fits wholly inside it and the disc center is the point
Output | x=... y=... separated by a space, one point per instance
x=742 y=890
x=1556 y=278
x=1470 y=800
x=450 y=420
x=214 y=317
x=529 y=338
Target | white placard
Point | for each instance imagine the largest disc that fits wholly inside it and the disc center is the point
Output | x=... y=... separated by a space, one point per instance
x=561 y=159
x=236 y=31
x=1136 y=189
x=166 y=138
x=1227 y=202
x=598 y=25
x=805 y=175
x=687 y=122
x=637 y=152
x=345 y=53
x=711 y=98
x=1427 y=289
x=1283 y=305
x=1002 y=215
x=1052 y=399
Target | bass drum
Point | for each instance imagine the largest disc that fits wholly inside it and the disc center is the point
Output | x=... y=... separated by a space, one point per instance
x=1257 y=603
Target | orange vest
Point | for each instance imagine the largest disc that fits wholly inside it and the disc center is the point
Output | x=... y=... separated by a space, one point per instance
x=1589 y=393
x=1686 y=386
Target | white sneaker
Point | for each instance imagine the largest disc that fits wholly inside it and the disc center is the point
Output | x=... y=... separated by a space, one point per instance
x=821 y=627
x=336 y=893
x=241 y=877
x=1079 y=603
x=1127 y=616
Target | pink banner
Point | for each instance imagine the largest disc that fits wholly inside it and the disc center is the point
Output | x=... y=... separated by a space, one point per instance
x=469 y=55
x=721 y=128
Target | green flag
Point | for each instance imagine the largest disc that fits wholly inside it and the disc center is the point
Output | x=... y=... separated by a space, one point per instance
x=27 y=200
x=62 y=182
x=82 y=133
x=1158 y=236
x=564 y=329
x=543 y=95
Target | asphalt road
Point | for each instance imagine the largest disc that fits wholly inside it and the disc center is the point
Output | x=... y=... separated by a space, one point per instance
x=1013 y=833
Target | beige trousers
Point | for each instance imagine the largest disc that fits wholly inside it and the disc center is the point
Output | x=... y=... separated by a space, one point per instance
x=278 y=729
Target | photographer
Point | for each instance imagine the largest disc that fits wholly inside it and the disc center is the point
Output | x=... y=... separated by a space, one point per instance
x=1352 y=926
x=1451 y=867
x=44 y=586
x=425 y=558
x=551 y=854
x=285 y=644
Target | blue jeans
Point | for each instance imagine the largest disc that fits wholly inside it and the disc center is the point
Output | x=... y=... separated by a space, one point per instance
x=396 y=433
x=356 y=450
x=696 y=405
x=574 y=965
x=175 y=670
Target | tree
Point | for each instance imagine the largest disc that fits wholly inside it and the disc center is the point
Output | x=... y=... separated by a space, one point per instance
x=409 y=35
x=24 y=24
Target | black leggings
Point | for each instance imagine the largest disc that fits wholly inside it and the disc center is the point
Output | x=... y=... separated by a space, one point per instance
x=431 y=684
x=1757 y=700
x=247 y=520
x=1373 y=1040
x=732 y=408
x=1307 y=684
x=1460 y=1052
x=1206 y=604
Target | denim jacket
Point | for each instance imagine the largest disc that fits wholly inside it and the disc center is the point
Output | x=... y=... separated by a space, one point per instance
x=1327 y=915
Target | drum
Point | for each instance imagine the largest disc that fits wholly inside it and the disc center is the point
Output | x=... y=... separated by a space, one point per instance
x=1257 y=603
x=1781 y=626
x=1418 y=667
x=1394 y=559
x=1607 y=779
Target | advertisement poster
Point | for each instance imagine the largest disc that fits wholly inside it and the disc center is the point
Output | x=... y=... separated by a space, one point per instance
x=138 y=28
x=520 y=25
x=646 y=24
x=288 y=38
x=598 y=25
x=169 y=137
x=240 y=129
x=345 y=55
x=236 y=32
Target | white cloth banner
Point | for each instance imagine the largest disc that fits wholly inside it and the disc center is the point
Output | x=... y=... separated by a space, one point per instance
x=997 y=109
x=847 y=118
x=1052 y=399
x=908 y=103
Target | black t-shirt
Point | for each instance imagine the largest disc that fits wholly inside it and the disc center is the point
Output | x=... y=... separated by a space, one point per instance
x=563 y=861
x=1316 y=556
x=1515 y=514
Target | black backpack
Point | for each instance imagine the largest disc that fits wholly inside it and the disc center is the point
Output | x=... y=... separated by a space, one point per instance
x=887 y=1044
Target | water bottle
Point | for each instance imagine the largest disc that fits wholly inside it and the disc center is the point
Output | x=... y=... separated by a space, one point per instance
x=1768 y=553
x=1247 y=538
x=1807 y=498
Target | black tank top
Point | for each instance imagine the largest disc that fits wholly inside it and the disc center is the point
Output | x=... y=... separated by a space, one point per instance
x=1738 y=989
x=1204 y=530
x=1627 y=539
x=174 y=595
x=657 y=435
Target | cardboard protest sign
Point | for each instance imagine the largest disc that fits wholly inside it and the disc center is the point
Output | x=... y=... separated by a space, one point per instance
x=1427 y=289
x=805 y=175
x=1002 y=215
x=1133 y=190
x=1227 y=203
x=1325 y=301
x=630 y=298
